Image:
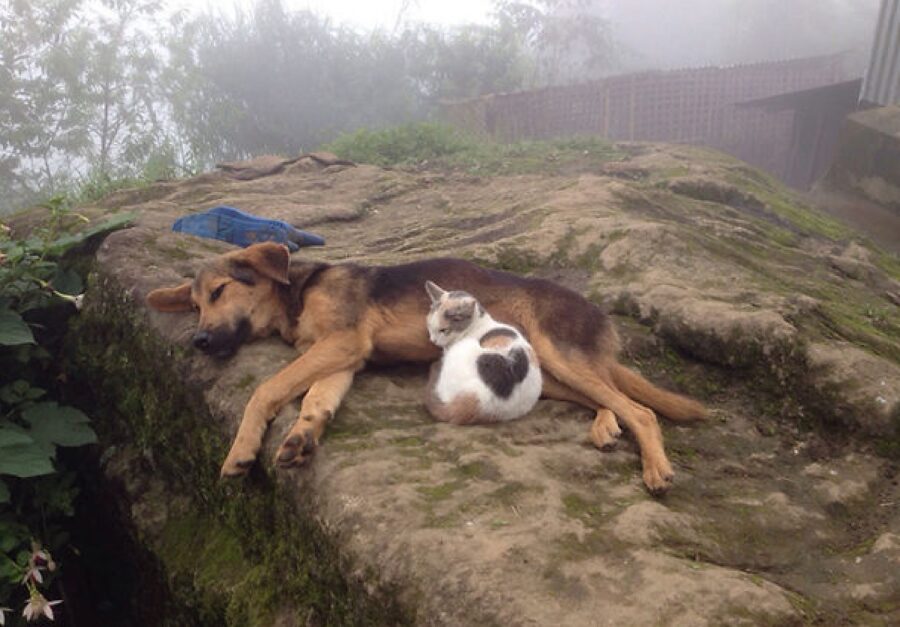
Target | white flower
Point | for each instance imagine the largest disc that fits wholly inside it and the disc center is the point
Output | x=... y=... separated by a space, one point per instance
x=2 y=615
x=33 y=574
x=39 y=560
x=38 y=605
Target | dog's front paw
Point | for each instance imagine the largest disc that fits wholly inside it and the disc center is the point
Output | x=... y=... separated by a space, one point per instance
x=658 y=476
x=296 y=449
x=605 y=430
x=237 y=463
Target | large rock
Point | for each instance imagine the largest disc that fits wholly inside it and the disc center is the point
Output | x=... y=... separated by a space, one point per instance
x=527 y=523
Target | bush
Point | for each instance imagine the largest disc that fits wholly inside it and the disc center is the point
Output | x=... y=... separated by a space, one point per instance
x=410 y=144
x=435 y=145
x=37 y=490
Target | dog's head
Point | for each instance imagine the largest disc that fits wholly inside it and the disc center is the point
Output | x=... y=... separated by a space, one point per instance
x=237 y=296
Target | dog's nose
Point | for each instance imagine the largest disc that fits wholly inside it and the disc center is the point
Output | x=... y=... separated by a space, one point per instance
x=201 y=340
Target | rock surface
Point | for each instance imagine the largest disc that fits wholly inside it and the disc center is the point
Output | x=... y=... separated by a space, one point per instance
x=724 y=288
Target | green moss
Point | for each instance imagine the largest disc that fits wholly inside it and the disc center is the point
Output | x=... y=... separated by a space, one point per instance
x=477 y=470
x=496 y=443
x=177 y=251
x=889 y=262
x=780 y=201
x=441 y=491
x=253 y=550
x=510 y=494
x=443 y=147
x=569 y=547
x=408 y=441
x=577 y=507
x=518 y=260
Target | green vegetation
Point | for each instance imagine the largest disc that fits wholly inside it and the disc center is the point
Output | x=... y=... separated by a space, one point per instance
x=37 y=481
x=439 y=146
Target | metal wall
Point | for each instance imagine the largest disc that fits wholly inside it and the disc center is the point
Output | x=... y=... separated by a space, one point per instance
x=882 y=81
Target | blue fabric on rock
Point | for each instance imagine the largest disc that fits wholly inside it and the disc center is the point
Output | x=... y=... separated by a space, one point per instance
x=239 y=227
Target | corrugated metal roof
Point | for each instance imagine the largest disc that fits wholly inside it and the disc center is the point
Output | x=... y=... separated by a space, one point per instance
x=882 y=82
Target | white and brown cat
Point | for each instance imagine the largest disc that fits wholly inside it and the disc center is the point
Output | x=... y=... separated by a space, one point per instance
x=488 y=373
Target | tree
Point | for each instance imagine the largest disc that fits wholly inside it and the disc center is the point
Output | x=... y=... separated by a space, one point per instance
x=42 y=107
x=566 y=40
x=78 y=94
x=122 y=69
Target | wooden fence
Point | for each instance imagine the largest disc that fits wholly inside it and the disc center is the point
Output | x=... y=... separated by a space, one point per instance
x=695 y=106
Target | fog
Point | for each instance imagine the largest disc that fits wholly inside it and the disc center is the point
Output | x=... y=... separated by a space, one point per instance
x=93 y=91
x=685 y=33
x=650 y=33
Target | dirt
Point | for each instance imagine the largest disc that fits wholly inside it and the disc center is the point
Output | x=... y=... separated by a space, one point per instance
x=786 y=506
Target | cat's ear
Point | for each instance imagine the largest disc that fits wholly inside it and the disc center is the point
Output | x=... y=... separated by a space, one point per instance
x=434 y=291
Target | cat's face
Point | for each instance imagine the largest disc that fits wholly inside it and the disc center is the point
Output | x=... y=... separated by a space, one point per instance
x=451 y=315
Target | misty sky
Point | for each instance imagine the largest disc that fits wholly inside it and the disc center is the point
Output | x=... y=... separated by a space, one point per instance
x=374 y=13
x=649 y=33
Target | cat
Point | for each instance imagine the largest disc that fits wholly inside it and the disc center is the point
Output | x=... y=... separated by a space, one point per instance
x=488 y=373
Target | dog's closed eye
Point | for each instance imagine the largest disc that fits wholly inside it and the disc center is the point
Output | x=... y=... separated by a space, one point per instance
x=216 y=293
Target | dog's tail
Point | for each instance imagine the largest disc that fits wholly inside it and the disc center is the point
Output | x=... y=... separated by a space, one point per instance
x=669 y=404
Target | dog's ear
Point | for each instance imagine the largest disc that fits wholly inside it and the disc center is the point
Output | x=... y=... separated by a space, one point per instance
x=171 y=299
x=268 y=259
x=434 y=291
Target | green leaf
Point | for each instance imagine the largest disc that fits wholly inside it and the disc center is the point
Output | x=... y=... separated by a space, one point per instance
x=12 y=534
x=4 y=492
x=50 y=409
x=13 y=330
x=60 y=425
x=12 y=436
x=18 y=391
x=25 y=460
x=67 y=281
x=62 y=244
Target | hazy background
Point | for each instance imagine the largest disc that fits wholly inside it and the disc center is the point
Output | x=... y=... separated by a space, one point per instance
x=94 y=92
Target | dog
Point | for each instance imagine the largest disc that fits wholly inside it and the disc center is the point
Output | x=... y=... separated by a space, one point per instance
x=345 y=315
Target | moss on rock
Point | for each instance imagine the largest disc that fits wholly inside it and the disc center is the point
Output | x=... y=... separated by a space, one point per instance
x=235 y=554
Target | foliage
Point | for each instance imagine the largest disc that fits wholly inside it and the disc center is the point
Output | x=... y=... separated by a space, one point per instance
x=442 y=146
x=99 y=91
x=79 y=94
x=402 y=145
x=566 y=40
x=37 y=490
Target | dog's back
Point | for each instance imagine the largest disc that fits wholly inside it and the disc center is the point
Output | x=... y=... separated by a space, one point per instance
x=535 y=306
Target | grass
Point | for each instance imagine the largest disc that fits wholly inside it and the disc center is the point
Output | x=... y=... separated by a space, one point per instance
x=436 y=145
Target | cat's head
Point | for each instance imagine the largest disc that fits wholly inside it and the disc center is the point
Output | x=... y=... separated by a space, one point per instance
x=451 y=315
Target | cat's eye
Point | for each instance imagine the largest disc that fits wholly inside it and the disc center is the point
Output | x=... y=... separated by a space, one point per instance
x=216 y=293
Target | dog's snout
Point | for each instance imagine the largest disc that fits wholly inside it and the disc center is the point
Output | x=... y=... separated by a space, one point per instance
x=202 y=340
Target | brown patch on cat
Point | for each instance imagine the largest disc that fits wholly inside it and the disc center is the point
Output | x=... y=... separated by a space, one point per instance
x=496 y=342
x=462 y=410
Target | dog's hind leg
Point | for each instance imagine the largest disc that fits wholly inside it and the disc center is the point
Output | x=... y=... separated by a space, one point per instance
x=318 y=407
x=605 y=430
x=344 y=350
x=594 y=382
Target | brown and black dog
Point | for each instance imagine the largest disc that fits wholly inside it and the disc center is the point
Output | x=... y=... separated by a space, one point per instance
x=345 y=315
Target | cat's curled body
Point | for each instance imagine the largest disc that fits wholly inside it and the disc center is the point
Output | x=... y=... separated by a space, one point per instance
x=488 y=373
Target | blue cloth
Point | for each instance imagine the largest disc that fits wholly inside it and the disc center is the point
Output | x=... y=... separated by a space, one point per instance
x=237 y=227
